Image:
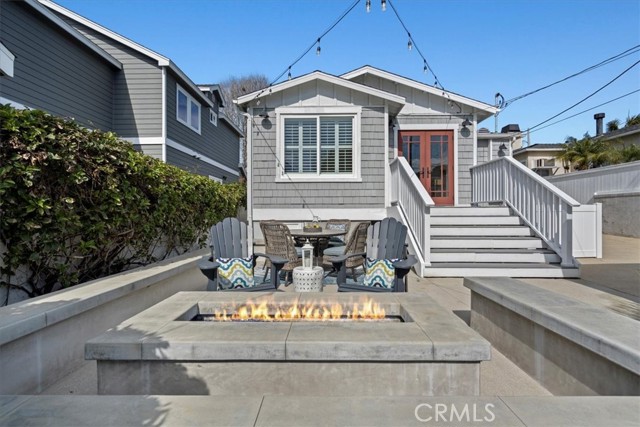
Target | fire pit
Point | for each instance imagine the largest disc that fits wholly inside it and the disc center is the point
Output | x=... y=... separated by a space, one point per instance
x=283 y=343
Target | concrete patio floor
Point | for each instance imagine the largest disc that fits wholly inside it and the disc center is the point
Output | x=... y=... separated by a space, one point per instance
x=612 y=282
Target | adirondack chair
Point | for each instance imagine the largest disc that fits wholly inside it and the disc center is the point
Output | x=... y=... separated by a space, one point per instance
x=385 y=240
x=228 y=239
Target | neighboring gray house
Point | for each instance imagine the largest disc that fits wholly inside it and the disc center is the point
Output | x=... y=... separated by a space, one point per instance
x=70 y=66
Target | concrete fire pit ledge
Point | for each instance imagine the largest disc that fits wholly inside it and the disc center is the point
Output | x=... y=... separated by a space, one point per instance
x=160 y=351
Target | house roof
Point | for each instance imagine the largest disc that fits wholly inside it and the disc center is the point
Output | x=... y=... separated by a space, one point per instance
x=319 y=75
x=215 y=88
x=368 y=69
x=231 y=123
x=73 y=32
x=539 y=147
x=626 y=131
x=162 y=61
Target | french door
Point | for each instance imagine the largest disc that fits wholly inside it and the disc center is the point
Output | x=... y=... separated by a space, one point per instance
x=430 y=154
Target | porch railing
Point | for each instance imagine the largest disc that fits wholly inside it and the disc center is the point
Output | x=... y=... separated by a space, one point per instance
x=542 y=206
x=415 y=203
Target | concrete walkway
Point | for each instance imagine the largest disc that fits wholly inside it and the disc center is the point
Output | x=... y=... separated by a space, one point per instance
x=612 y=282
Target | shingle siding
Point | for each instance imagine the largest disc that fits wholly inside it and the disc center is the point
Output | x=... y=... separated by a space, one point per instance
x=286 y=195
x=53 y=71
x=137 y=101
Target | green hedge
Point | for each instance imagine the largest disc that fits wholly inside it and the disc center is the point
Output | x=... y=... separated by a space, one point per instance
x=79 y=204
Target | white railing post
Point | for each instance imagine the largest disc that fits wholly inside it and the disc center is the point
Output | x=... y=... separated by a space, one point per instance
x=566 y=239
x=426 y=242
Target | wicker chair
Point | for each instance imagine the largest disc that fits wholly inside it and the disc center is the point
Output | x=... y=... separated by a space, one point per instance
x=338 y=224
x=356 y=243
x=278 y=242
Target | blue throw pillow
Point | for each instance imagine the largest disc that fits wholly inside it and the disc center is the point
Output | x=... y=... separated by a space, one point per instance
x=379 y=273
x=235 y=273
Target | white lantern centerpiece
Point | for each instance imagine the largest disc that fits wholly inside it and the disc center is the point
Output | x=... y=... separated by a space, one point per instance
x=307 y=256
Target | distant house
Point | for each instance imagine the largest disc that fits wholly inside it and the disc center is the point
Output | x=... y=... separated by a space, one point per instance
x=56 y=60
x=495 y=144
x=626 y=136
x=542 y=159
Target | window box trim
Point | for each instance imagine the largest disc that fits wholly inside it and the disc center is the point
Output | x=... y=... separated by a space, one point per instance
x=317 y=113
x=190 y=99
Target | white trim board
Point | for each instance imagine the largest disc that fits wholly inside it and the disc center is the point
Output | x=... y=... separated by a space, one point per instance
x=6 y=61
x=304 y=214
x=193 y=153
x=14 y=104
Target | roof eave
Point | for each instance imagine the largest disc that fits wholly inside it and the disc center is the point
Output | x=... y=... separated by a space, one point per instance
x=477 y=105
x=245 y=99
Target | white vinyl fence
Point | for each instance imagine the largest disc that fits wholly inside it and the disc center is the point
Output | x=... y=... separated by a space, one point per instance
x=583 y=185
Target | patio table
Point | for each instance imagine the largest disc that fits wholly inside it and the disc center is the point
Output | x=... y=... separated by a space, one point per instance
x=316 y=237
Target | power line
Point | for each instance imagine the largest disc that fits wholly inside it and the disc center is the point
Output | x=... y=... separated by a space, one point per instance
x=620 y=55
x=427 y=67
x=585 y=98
x=587 y=110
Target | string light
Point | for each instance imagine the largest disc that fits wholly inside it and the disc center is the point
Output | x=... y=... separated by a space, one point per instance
x=318 y=49
x=409 y=43
x=383 y=3
x=289 y=74
x=425 y=69
x=368 y=6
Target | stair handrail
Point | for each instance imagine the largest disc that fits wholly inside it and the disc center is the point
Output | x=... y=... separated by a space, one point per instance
x=413 y=200
x=541 y=205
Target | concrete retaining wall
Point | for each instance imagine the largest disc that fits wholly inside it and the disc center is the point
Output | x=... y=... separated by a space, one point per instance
x=570 y=347
x=42 y=339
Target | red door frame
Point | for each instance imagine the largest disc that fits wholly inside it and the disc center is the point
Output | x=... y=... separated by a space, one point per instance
x=424 y=169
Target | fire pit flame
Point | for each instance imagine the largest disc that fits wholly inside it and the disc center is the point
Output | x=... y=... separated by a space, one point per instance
x=265 y=312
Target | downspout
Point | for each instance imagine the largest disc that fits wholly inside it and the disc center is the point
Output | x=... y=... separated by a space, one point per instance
x=249 y=171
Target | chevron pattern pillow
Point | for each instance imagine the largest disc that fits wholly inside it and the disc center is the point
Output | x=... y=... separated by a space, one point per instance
x=235 y=273
x=379 y=273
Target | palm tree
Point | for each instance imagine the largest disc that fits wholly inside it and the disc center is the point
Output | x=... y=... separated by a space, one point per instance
x=613 y=125
x=586 y=153
x=632 y=120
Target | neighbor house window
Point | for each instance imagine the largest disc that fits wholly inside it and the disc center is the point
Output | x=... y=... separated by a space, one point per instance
x=213 y=117
x=319 y=145
x=187 y=109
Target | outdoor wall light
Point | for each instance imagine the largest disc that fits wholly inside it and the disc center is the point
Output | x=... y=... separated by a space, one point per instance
x=501 y=148
x=466 y=123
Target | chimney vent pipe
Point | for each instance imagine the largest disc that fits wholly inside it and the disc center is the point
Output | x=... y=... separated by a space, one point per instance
x=599 y=117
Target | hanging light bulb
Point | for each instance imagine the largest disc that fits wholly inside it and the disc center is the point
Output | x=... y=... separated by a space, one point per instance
x=383 y=3
x=409 y=43
x=425 y=69
x=289 y=74
x=368 y=6
x=318 y=49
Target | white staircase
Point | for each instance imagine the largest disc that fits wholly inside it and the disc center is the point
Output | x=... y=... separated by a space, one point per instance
x=488 y=241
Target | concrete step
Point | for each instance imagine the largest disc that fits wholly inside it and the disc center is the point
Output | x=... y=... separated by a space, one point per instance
x=475 y=220
x=489 y=231
x=484 y=242
x=470 y=211
x=463 y=269
x=495 y=256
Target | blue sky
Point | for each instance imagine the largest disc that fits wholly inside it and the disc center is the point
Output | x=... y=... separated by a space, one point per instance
x=476 y=47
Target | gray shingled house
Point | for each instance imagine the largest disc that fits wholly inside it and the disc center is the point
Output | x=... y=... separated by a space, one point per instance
x=70 y=66
x=371 y=144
